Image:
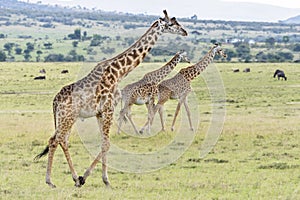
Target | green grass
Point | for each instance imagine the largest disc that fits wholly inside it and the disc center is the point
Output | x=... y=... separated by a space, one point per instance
x=256 y=157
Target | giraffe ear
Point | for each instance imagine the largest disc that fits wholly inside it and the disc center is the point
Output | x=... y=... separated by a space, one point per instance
x=166 y=16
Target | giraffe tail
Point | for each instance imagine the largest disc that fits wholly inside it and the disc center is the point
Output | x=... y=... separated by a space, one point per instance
x=46 y=150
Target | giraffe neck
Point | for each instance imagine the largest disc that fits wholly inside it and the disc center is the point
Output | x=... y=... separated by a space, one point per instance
x=159 y=74
x=193 y=71
x=119 y=66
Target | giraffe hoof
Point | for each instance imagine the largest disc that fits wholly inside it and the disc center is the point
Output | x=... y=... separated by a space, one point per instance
x=80 y=182
x=107 y=184
x=51 y=184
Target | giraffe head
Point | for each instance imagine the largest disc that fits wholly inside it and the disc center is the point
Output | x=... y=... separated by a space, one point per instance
x=183 y=56
x=171 y=25
x=218 y=50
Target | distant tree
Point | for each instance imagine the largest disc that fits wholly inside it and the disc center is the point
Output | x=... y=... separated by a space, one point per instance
x=27 y=57
x=213 y=41
x=7 y=23
x=194 y=17
x=129 y=26
x=285 y=56
x=74 y=57
x=98 y=39
x=54 y=58
x=90 y=51
x=261 y=57
x=73 y=53
x=38 y=58
x=75 y=43
x=77 y=33
x=84 y=35
x=18 y=50
x=161 y=51
x=243 y=52
x=2 y=56
x=108 y=50
x=95 y=43
x=2 y=35
x=296 y=47
x=270 y=42
x=285 y=39
x=30 y=46
x=274 y=57
x=230 y=54
x=48 y=25
x=80 y=58
x=26 y=51
x=8 y=47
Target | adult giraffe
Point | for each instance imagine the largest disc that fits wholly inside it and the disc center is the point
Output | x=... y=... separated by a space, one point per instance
x=94 y=95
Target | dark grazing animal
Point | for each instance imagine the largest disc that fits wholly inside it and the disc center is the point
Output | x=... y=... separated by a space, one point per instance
x=40 y=78
x=65 y=71
x=246 y=70
x=280 y=74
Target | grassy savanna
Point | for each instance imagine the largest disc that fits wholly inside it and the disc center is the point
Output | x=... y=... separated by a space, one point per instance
x=256 y=157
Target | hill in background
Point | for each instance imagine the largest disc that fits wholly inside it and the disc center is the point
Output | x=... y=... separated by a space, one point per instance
x=37 y=32
x=292 y=20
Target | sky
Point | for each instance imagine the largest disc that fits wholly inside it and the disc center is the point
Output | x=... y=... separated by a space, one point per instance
x=284 y=3
x=236 y=10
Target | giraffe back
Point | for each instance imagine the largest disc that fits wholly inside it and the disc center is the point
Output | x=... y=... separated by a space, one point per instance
x=177 y=85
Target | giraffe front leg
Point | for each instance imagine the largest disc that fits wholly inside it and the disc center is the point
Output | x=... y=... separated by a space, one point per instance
x=176 y=113
x=64 y=146
x=104 y=170
x=104 y=125
x=150 y=109
x=188 y=114
x=128 y=114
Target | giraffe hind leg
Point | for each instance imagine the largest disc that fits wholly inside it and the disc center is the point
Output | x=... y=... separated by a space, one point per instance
x=60 y=137
x=49 y=149
x=52 y=148
x=161 y=116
